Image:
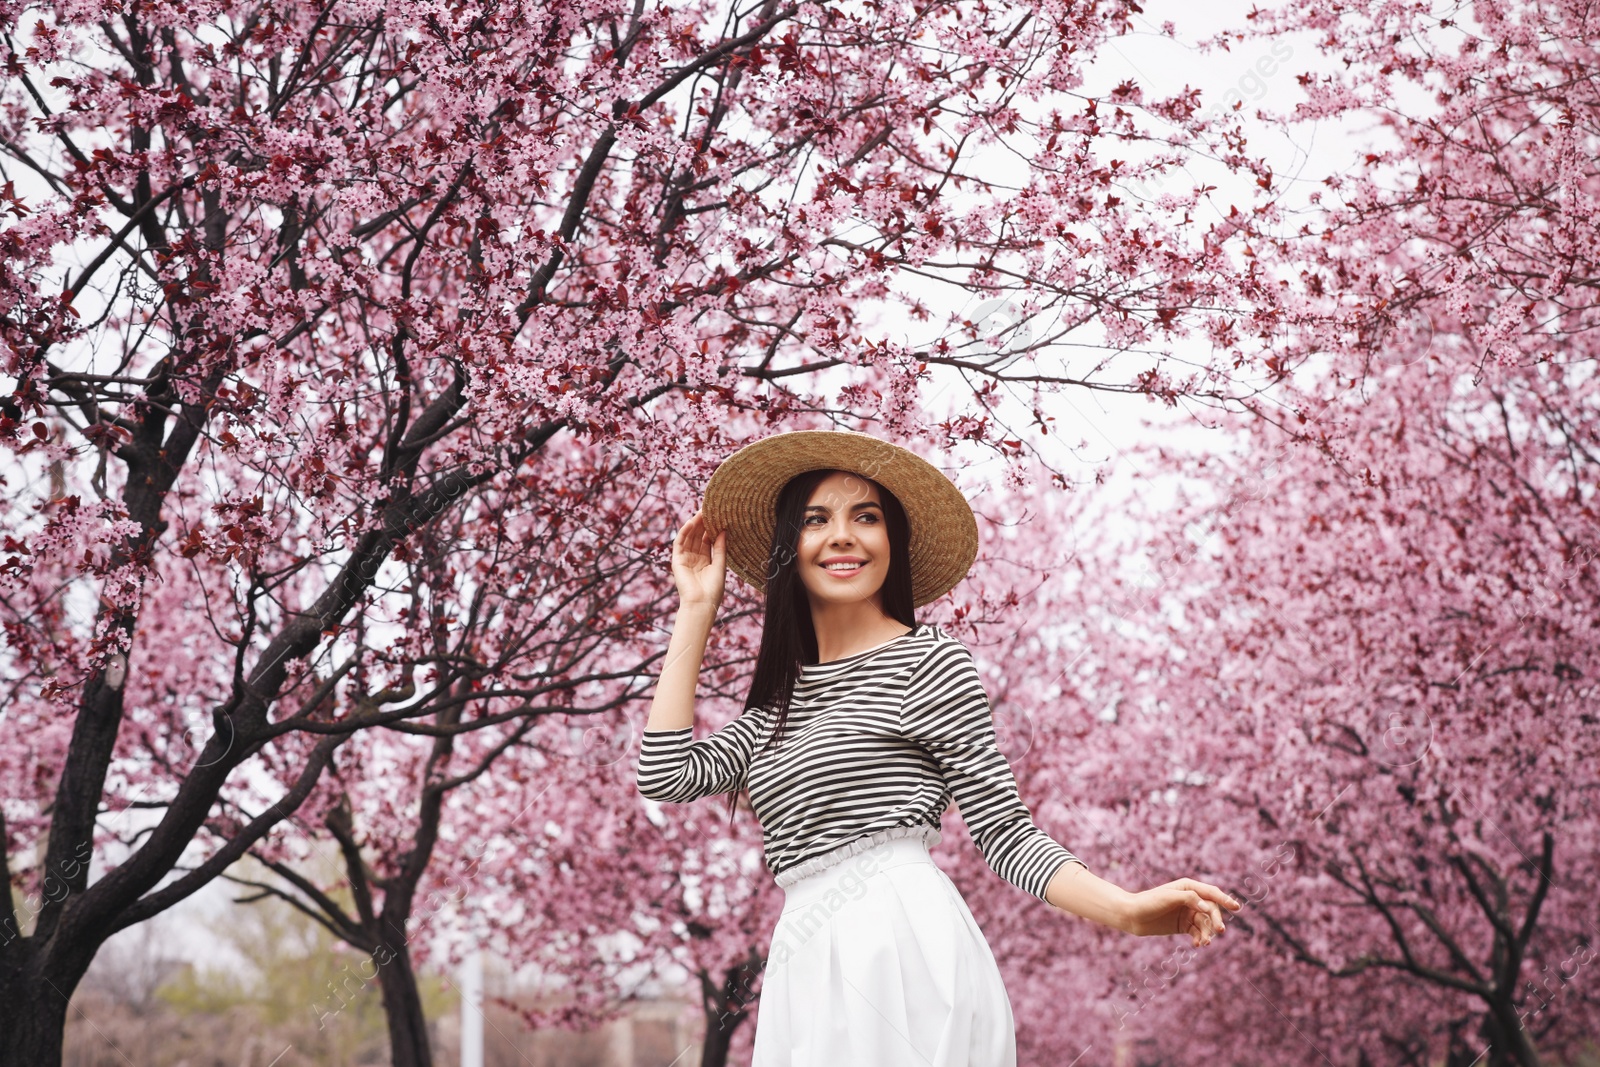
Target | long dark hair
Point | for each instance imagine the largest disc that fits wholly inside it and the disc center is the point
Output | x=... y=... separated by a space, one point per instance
x=788 y=639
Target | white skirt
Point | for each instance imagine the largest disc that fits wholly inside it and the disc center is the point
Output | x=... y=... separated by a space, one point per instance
x=877 y=960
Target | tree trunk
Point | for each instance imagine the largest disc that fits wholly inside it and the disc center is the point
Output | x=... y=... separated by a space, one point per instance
x=1510 y=1044
x=402 y=1006
x=726 y=1007
x=35 y=1016
x=719 y=1035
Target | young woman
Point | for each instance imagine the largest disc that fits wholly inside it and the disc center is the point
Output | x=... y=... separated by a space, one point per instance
x=861 y=726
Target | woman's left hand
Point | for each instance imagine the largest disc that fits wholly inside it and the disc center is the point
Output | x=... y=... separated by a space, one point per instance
x=1181 y=907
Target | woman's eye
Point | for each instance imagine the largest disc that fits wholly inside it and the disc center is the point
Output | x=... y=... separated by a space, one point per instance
x=823 y=518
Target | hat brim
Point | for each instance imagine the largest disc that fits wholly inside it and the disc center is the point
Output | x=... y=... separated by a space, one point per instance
x=742 y=498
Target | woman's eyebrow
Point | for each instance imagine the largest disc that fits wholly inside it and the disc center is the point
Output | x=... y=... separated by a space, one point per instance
x=856 y=507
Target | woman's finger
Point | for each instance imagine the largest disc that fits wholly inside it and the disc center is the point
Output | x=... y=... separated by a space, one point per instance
x=684 y=544
x=1206 y=917
x=1208 y=928
x=1217 y=894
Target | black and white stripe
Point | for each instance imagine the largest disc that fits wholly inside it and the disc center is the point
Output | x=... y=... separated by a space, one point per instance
x=881 y=739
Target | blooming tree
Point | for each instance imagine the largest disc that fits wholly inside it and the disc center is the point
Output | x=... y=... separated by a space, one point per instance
x=295 y=296
x=384 y=803
x=1370 y=641
x=1378 y=702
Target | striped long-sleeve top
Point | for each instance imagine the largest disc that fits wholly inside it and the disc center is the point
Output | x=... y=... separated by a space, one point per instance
x=876 y=746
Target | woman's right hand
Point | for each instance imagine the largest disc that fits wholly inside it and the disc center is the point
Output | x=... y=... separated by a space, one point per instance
x=699 y=563
x=1184 y=906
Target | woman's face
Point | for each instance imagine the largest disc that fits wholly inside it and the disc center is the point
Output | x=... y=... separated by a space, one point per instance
x=844 y=544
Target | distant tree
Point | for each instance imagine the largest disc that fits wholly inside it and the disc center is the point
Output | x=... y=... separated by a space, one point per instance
x=616 y=899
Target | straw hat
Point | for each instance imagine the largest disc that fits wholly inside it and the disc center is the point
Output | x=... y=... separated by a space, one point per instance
x=742 y=499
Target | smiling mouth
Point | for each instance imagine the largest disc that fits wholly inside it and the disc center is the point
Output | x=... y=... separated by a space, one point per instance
x=843 y=571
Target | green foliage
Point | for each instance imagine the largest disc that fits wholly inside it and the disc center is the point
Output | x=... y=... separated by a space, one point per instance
x=289 y=973
x=293 y=976
x=279 y=988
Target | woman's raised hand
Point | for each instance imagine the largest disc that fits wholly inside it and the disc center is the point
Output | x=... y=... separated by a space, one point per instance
x=699 y=563
x=1184 y=906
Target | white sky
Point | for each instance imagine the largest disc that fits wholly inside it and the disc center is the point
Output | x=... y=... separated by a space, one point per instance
x=1112 y=422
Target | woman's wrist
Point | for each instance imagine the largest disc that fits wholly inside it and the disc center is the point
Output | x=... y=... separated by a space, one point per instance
x=700 y=614
x=1078 y=891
